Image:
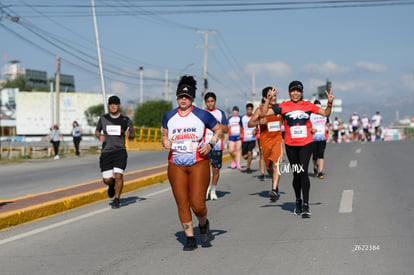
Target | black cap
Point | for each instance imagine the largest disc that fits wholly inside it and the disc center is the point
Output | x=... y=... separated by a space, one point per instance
x=185 y=89
x=114 y=100
x=187 y=86
x=296 y=85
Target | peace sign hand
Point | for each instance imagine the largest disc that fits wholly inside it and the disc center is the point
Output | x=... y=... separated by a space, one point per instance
x=330 y=96
x=272 y=92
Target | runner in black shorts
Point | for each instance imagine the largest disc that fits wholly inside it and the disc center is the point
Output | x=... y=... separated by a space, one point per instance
x=111 y=130
x=248 y=137
x=216 y=155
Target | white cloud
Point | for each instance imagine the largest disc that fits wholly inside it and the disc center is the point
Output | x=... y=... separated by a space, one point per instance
x=371 y=67
x=118 y=88
x=275 y=69
x=327 y=69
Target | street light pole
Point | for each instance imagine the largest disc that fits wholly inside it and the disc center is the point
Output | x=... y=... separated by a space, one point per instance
x=98 y=48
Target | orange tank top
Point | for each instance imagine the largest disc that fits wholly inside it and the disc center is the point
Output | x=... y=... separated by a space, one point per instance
x=271 y=132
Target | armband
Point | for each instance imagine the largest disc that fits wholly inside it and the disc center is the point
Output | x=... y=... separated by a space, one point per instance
x=329 y=104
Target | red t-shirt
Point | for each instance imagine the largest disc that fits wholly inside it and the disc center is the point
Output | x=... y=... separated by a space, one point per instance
x=296 y=118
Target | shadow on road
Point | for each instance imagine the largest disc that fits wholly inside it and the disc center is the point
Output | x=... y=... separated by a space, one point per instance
x=129 y=200
x=214 y=232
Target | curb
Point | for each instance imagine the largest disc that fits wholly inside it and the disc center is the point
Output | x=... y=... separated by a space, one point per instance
x=34 y=212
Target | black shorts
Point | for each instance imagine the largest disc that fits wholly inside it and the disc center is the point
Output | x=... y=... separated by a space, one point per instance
x=319 y=149
x=110 y=160
x=248 y=146
x=335 y=133
x=216 y=158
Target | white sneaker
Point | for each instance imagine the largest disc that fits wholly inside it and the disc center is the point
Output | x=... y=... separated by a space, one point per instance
x=56 y=157
x=213 y=195
x=208 y=191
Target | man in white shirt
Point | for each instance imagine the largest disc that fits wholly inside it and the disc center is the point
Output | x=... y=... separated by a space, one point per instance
x=376 y=122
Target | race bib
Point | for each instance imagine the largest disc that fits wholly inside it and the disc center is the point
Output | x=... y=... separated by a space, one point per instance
x=113 y=130
x=182 y=146
x=298 y=132
x=249 y=132
x=320 y=130
x=235 y=130
x=273 y=126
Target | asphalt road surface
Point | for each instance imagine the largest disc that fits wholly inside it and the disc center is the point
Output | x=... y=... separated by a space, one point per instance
x=362 y=223
x=42 y=175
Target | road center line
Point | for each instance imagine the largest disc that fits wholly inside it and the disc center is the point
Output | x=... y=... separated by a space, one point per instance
x=59 y=224
x=346 y=201
x=353 y=163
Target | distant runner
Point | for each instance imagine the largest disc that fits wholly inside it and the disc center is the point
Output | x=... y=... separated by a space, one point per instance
x=271 y=140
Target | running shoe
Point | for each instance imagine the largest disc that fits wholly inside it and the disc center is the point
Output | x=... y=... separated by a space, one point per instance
x=115 y=204
x=190 y=245
x=306 y=212
x=213 y=195
x=248 y=171
x=233 y=164
x=239 y=167
x=205 y=232
x=298 y=208
x=111 y=189
x=274 y=196
x=321 y=175
x=261 y=177
x=315 y=171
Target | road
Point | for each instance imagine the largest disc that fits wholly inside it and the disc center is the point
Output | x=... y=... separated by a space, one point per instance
x=362 y=223
x=42 y=175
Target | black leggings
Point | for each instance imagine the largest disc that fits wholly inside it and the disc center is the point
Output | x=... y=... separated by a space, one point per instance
x=299 y=157
x=56 y=147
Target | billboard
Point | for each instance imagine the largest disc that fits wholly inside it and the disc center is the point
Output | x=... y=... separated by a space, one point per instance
x=35 y=112
x=8 y=107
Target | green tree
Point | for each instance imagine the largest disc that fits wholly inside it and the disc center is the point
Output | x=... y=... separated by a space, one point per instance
x=150 y=113
x=18 y=82
x=93 y=113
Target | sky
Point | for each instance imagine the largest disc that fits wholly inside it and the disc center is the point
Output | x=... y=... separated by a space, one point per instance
x=365 y=48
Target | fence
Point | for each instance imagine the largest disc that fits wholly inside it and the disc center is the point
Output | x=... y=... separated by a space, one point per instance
x=143 y=134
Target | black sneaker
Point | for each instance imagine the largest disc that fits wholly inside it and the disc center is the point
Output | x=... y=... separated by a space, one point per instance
x=248 y=171
x=298 y=208
x=315 y=171
x=261 y=177
x=115 y=204
x=190 y=245
x=306 y=212
x=111 y=188
x=321 y=175
x=274 y=195
x=205 y=232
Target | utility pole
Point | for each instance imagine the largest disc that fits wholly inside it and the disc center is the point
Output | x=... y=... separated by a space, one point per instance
x=98 y=48
x=141 y=85
x=57 y=90
x=205 y=83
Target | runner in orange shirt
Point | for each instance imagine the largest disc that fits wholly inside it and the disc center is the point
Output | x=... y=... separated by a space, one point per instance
x=271 y=142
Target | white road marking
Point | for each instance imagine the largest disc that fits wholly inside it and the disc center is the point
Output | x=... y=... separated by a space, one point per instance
x=346 y=201
x=55 y=225
x=358 y=150
x=353 y=163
